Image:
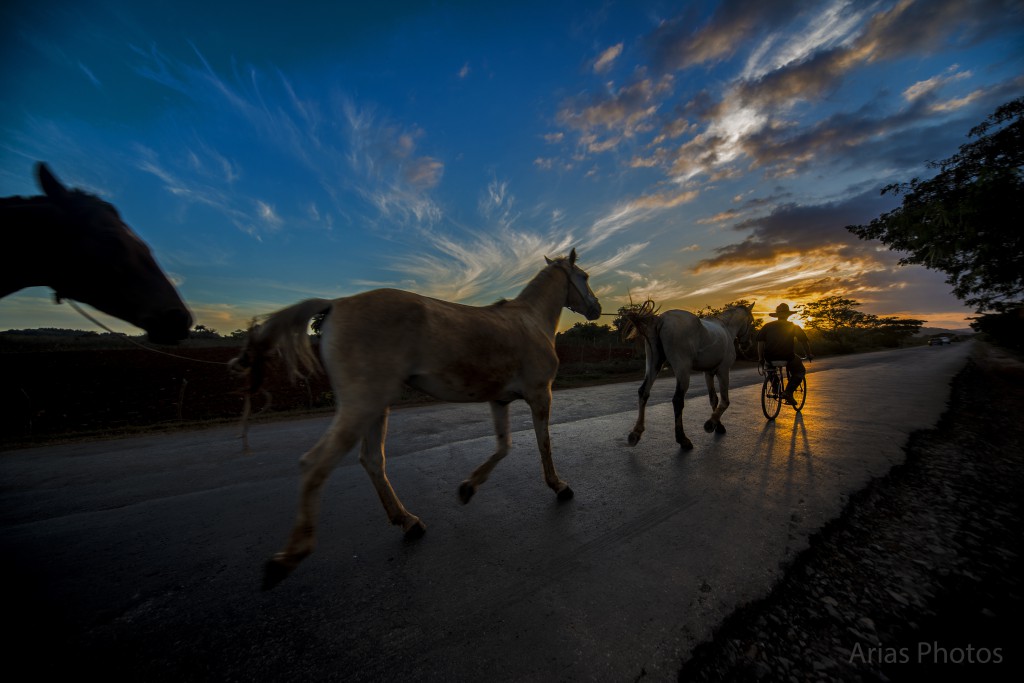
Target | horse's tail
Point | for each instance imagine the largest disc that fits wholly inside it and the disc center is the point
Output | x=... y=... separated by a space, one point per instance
x=641 y=322
x=286 y=332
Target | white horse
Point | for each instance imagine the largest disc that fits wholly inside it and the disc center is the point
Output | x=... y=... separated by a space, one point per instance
x=690 y=343
x=375 y=342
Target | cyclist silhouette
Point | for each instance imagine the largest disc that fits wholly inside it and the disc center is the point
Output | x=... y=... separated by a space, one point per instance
x=776 y=341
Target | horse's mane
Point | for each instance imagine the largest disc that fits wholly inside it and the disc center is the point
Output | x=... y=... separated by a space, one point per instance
x=718 y=316
x=537 y=282
x=639 y=318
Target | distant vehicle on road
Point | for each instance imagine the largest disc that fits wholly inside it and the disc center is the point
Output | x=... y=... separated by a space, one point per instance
x=939 y=341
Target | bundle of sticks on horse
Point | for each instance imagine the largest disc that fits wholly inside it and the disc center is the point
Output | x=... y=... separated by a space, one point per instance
x=76 y=244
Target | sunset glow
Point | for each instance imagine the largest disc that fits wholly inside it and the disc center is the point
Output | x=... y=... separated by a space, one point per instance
x=695 y=153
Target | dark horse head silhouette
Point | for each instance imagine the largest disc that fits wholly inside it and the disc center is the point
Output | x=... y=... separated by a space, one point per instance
x=77 y=244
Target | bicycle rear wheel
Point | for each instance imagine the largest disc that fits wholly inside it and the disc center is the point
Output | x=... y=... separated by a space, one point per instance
x=771 y=396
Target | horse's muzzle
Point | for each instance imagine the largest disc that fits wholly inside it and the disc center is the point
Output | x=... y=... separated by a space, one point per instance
x=170 y=327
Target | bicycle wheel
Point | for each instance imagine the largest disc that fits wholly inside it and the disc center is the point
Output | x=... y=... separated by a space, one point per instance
x=800 y=395
x=771 y=396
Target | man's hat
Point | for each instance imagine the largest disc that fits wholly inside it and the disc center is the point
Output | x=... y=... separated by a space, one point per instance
x=781 y=311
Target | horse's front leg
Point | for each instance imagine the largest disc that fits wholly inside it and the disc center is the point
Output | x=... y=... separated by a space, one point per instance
x=540 y=407
x=371 y=457
x=499 y=412
x=718 y=404
x=654 y=365
x=678 y=401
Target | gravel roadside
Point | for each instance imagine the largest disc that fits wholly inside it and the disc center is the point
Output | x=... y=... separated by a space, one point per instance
x=921 y=575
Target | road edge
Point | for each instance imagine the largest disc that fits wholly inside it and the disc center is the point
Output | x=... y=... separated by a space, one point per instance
x=919 y=572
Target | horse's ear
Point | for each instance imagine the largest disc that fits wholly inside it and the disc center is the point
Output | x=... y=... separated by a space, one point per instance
x=572 y=257
x=548 y=261
x=52 y=187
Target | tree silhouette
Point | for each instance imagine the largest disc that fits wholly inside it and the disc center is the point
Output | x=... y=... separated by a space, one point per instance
x=963 y=221
x=837 y=319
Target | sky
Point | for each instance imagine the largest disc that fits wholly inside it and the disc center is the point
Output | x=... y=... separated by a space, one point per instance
x=695 y=153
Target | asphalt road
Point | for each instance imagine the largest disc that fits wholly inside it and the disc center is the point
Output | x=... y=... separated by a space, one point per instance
x=140 y=559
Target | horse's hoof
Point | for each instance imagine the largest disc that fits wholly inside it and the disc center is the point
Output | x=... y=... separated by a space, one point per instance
x=274 y=572
x=709 y=426
x=685 y=445
x=415 y=531
x=719 y=428
x=633 y=439
x=466 y=491
x=565 y=494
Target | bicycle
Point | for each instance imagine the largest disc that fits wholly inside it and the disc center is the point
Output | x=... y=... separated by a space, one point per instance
x=775 y=378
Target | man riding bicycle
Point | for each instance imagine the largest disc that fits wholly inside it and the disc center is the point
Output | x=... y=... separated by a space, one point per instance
x=776 y=342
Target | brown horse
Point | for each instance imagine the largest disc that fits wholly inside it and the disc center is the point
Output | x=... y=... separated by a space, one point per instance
x=375 y=342
x=77 y=244
x=690 y=343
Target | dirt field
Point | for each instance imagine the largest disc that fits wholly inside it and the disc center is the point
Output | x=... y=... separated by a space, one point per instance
x=47 y=393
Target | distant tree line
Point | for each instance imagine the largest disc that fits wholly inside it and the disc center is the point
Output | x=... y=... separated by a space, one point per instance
x=837 y=322
x=833 y=323
x=833 y=320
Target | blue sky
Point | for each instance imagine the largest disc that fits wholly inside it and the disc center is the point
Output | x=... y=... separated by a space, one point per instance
x=694 y=152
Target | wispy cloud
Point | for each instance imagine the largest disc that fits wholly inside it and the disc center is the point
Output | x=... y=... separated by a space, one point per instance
x=479 y=267
x=607 y=58
x=675 y=45
x=635 y=211
x=803 y=252
x=928 y=86
x=370 y=157
x=382 y=165
x=498 y=204
x=250 y=215
x=90 y=75
x=831 y=27
x=395 y=178
x=696 y=157
x=603 y=121
x=791 y=230
x=800 y=54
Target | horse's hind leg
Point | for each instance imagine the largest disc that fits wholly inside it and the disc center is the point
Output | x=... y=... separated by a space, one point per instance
x=709 y=379
x=499 y=412
x=371 y=457
x=718 y=404
x=317 y=465
x=638 y=427
x=678 y=402
x=654 y=365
